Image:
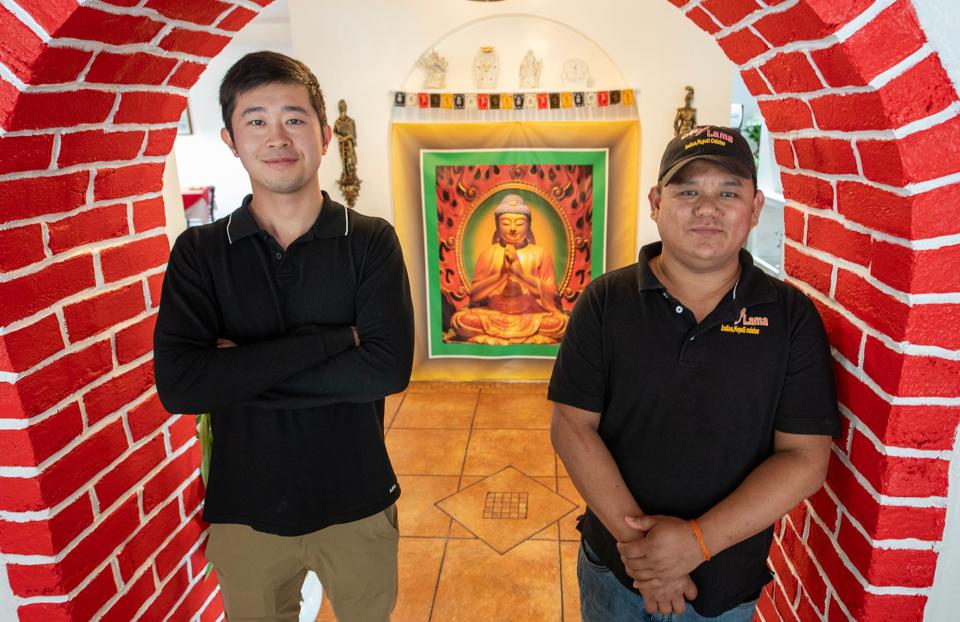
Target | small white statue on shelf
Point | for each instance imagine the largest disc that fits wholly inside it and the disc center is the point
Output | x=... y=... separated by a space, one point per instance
x=576 y=74
x=436 y=68
x=530 y=71
x=486 y=68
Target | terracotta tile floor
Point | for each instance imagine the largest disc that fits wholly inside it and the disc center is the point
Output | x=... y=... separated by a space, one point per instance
x=481 y=453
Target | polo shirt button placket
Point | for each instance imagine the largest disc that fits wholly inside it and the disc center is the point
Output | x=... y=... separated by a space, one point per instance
x=679 y=309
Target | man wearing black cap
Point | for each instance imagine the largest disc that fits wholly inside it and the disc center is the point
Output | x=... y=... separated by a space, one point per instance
x=693 y=401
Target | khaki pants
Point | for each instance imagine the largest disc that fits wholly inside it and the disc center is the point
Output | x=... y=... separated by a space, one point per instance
x=261 y=574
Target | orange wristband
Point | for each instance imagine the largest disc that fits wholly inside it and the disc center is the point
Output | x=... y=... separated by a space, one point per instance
x=699 y=534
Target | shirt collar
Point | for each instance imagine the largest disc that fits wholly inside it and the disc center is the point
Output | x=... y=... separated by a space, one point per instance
x=333 y=221
x=754 y=286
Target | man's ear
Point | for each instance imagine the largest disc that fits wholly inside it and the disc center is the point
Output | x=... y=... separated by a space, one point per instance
x=327 y=135
x=758 y=201
x=228 y=141
x=654 y=198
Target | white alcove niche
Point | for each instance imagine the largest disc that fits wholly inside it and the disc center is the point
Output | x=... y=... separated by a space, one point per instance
x=511 y=36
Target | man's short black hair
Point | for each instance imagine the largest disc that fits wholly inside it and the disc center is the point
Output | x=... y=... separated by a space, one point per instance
x=265 y=67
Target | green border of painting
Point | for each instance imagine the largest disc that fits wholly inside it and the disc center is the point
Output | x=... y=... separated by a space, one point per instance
x=429 y=160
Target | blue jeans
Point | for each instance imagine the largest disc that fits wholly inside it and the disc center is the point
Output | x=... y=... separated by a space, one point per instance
x=604 y=599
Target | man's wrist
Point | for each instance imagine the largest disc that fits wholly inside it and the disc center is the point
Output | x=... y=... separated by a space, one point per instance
x=699 y=534
x=356 y=336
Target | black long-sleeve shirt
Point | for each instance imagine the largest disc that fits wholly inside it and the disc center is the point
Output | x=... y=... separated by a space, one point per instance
x=296 y=408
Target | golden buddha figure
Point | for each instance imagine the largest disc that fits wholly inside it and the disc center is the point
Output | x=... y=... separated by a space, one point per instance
x=513 y=294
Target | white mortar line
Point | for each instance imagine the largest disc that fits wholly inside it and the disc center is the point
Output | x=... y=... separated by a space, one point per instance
x=912 y=60
x=53 y=217
x=90 y=45
x=97 y=273
x=918 y=244
x=249 y=4
x=852 y=568
x=874 y=85
x=53 y=559
x=131 y=229
x=86 y=127
x=898 y=347
x=92 y=247
x=82 y=295
x=96 y=428
x=80 y=168
x=863 y=272
x=47 y=219
x=816 y=69
x=699 y=5
x=21 y=424
x=90 y=195
x=191 y=582
x=206 y=603
x=106 y=87
x=26 y=19
x=926 y=123
x=161 y=584
x=173 y=72
x=55 y=152
x=913 y=127
x=754 y=17
x=113 y=112
x=45 y=235
x=900 y=544
x=7 y=74
x=83 y=73
x=136 y=576
x=857 y=23
x=147 y=295
x=839 y=36
x=19 y=472
x=24 y=423
x=911 y=502
x=142 y=11
x=96 y=571
x=894 y=451
x=862 y=376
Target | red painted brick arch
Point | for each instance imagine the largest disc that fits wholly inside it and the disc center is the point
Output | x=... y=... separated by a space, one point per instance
x=99 y=497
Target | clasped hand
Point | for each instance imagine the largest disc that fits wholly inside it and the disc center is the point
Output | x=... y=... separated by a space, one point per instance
x=661 y=560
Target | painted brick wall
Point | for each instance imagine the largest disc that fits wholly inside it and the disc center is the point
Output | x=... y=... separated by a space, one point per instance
x=99 y=496
x=865 y=128
x=99 y=492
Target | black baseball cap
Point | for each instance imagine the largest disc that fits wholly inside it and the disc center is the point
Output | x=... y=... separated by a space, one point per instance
x=723 y=145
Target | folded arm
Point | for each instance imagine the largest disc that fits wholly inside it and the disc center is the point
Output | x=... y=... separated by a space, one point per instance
x=193 y=374
x=597 y=477
x=795 y=470
x=381 y=364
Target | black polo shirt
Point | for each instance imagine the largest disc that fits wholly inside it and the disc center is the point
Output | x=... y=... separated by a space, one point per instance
x=688 y=410
x=296 y=408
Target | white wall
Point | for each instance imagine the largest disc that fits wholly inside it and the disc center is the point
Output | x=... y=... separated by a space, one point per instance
x=202 y=158
x=511 y=35
x=8 y=603
x=172 y=199
x=939 y=19
x=362 y=51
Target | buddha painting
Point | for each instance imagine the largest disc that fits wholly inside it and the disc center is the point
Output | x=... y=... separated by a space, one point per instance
x=513 y=295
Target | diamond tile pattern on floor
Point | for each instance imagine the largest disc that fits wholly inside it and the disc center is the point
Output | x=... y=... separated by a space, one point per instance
x=543 y=507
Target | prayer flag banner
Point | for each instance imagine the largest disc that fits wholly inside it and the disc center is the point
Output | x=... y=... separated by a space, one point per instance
x=514 y=101
x=512 y=237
